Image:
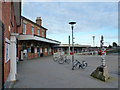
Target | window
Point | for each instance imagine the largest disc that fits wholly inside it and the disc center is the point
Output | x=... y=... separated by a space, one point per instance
x=32 y=31
x=5 y=0
x=6 y=52
x=9 y=28
x=38 y=49
x=38 y=32
x=23 y=46
x=24 y=28
x=42 y=33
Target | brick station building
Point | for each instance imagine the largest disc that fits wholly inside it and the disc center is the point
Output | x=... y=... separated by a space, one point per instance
x=32 y=41
x=10 y=20
x=65 y=48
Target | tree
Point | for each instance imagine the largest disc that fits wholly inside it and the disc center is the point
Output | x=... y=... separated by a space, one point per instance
x=114 y=44
x=109 y=46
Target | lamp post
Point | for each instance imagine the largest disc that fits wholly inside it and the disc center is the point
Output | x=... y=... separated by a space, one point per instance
x=72 y=23
x=93 y=40
x=103 y=51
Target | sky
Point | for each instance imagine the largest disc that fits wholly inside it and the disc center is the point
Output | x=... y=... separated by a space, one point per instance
x=92 y=18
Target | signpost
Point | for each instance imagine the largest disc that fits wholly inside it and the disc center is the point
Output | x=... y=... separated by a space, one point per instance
x=101 y=72
x=69 y=45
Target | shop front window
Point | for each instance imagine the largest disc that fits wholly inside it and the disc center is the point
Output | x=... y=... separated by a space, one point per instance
x=24 y=46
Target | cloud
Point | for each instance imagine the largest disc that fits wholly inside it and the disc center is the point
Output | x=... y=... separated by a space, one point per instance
x=91 y=17
x=70 y=0
x=88 y=16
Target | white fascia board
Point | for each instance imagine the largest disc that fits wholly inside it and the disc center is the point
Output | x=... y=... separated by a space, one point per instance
x=25 y=37
x=32 y=37
x=45 y=40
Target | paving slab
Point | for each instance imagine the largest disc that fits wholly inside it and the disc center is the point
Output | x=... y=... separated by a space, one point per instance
x=45 y=73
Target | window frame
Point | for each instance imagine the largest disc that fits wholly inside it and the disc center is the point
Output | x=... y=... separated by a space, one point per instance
x=32 y=30
x=38 y=33
x=24 y=28
x=7 y=50
x=42 y=33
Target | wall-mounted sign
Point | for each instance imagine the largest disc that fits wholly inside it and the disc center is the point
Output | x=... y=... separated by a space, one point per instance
x=25 y=51
x=40 y=50
x=50 y=50
x=35 y=50
x=31 y=44
x=7 y=52
x=45 y=49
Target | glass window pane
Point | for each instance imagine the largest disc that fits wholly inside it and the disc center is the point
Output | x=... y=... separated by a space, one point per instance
x=38 y=32
x=32 y=31
x=24 y=28
x=42 y=33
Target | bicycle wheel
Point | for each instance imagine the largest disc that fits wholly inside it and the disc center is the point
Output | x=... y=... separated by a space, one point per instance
x=68 y=61
x=74 y=66
x=54 y=59
x=61 y=61
x=84 y=65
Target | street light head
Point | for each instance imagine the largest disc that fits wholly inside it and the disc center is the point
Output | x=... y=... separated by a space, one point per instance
x=93 y=36
x=72 y=23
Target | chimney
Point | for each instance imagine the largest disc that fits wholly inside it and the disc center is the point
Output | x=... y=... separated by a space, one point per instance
x=39 y=21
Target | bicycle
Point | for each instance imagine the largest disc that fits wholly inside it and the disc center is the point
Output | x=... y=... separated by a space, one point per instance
x=64 y=60
x=77 y=64
x=57 y=56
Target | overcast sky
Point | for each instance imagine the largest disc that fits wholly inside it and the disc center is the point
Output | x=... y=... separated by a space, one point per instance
x=92 y=18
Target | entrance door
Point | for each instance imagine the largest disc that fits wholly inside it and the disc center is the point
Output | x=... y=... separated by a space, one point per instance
x=38 y=51
x=32 y=51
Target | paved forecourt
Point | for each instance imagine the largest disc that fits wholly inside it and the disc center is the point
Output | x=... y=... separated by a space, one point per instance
x=45 y=73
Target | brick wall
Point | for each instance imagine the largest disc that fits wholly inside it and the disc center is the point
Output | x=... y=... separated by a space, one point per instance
x=41 y=32
x=6 y=22
x=35 y=30
x=7 y=16
x=20 y=28
x=28 y=28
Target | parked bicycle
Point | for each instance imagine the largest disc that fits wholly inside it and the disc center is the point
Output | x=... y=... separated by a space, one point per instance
x=77 y=64
x=64 y=60
x=56 y=56
x=55 y=59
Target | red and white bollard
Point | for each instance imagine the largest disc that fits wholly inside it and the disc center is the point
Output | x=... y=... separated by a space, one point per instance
x=103 y=56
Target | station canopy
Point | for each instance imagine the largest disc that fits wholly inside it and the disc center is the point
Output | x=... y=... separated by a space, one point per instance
x=37 y=38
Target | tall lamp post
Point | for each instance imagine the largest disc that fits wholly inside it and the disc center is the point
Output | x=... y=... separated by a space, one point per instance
x=72 y=23
x=93 y=41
